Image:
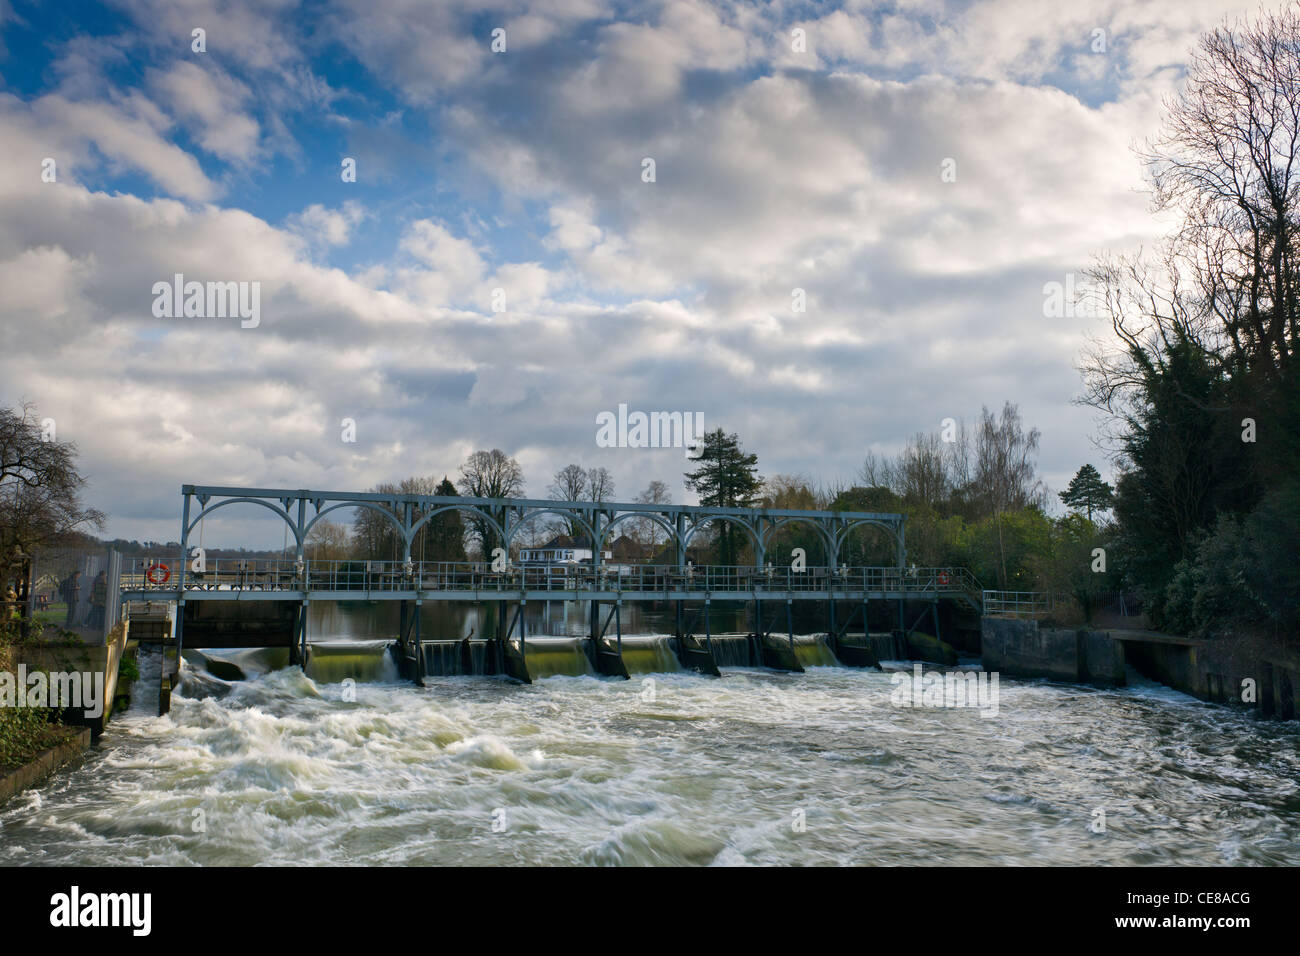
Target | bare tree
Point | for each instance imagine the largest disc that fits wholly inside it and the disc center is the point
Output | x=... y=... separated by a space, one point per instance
x=569 y=484
x=374 y=535
x=1006 y=476
x=876 y=472
x=490 y=474
x=1005 y=473
x=647 y=533
x=327 y=541
x=600 y=484
x=1228 y=159
x=921 y=471
x=40 y=490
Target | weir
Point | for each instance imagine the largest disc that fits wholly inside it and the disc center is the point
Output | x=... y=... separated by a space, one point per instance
x=265 y=603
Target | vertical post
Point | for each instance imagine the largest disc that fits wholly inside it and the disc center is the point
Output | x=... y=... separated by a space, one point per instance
x=618 y=625
x=523 y=635
x=902 y=579
x=501 y=635
x=185 y=543
x=304 y=611
x=789 y=621
x=419 y=648
x=834 y=631
x=401 y=629
x=165 y=687
x=295 y=637
x=680 y=523
x=708 y=630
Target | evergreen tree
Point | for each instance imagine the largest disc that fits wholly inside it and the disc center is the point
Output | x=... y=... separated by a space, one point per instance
x=726 y=477
x=446 y=538
x=1087 y=492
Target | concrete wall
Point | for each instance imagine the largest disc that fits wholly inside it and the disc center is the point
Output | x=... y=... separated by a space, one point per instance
x=34 y=773
x=1240 y=670
x=1243 y=671
x=1021 y=648
x=68 y=657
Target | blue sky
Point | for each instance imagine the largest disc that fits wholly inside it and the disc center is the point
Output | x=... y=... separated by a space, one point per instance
x=779 y=166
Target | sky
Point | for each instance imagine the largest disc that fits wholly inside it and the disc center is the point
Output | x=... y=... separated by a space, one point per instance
x=503 y=267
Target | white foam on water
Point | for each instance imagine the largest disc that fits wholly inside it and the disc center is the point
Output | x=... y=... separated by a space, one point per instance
x=687 y=770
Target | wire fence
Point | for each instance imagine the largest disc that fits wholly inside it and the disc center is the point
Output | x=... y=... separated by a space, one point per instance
x=76 y=589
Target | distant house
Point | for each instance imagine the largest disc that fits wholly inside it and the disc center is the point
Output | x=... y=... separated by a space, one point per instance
x=628 y=549
x=561 y=549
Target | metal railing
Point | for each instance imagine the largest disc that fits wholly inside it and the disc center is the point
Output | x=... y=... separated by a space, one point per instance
x=1017 y=603
x=227 y=574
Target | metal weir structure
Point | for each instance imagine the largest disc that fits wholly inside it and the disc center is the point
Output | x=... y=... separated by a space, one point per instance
x=200 y=588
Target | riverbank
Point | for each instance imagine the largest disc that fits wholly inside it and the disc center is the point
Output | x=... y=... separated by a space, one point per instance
x=36 y=740
x=67 y=744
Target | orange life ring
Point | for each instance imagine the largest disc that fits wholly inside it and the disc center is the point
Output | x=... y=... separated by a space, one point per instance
x=943 y=578
x=153 y=570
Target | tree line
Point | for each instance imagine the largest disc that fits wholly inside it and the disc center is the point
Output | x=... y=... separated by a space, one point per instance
x=1199 y=387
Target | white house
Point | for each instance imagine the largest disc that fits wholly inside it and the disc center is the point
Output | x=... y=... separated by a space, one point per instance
x=561 y=550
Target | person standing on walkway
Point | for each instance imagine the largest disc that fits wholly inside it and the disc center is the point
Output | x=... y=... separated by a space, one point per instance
x=98 y=600
x=71 y=590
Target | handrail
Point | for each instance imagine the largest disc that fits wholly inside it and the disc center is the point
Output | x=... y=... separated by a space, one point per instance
x=275 y=574
x=1017 y=603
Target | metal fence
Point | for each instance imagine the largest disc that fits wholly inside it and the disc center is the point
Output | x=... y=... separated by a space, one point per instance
x=1018 y=603
x=274 y=574
x=77 y=590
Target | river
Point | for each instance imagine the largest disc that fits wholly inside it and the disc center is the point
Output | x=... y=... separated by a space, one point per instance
x=757 y=767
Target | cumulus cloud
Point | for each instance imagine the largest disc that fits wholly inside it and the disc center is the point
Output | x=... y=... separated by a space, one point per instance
x=776 y=171
x=327 y=227
x=212 y=103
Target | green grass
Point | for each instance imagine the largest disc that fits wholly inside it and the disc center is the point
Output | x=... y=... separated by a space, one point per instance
x=54 y=614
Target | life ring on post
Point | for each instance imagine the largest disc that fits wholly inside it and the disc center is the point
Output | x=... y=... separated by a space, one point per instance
x=158 y=574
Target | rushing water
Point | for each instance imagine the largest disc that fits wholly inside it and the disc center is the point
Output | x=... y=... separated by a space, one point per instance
x=670 y=768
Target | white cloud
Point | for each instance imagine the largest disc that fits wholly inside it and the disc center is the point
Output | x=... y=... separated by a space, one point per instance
x=327 y=227
x=212 y=103
x=924 y=297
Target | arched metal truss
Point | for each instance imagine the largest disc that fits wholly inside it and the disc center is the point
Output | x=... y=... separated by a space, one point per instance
x=506 y=517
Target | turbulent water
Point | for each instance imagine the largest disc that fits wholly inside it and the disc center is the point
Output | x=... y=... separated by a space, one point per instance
x=671 y=768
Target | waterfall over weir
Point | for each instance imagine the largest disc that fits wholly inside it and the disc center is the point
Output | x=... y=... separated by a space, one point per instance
x=366 y=661
x=379 y=660
x=649 y=655
x=556 y=657
x=811 y=650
